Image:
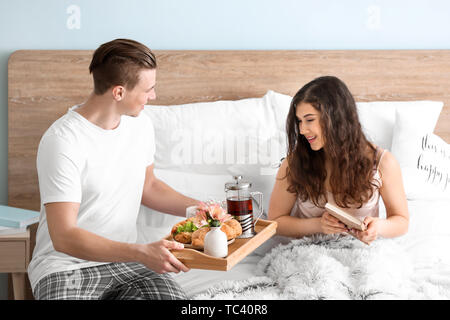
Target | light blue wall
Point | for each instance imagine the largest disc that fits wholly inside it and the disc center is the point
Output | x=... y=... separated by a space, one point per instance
x=214 y=24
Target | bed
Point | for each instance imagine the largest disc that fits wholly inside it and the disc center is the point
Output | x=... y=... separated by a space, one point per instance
x=249 y=92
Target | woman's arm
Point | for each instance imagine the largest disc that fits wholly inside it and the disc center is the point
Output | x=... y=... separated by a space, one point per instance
x=394 y=198
x=280 y=206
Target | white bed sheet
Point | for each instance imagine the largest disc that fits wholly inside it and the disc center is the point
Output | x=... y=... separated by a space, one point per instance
x=428 y=237
x=426 y=242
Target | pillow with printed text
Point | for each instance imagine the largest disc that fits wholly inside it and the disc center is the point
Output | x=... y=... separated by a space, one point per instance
x=424 y=159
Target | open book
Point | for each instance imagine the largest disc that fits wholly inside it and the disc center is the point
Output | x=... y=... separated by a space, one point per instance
x=350 y=221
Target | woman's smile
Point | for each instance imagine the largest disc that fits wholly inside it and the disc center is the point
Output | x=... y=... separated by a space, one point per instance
x=311 y=139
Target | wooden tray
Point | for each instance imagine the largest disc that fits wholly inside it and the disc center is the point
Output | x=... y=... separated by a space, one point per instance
x=237 y=250
x=190 y=246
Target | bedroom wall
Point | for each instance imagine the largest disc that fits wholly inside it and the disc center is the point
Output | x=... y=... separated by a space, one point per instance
x=215 y=25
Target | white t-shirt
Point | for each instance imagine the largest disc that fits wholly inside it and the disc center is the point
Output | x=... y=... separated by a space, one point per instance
x=103 y=170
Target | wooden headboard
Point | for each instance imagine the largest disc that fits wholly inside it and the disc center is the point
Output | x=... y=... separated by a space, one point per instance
x=42 y=85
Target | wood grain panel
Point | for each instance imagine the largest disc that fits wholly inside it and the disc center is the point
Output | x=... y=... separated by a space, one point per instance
x=13 y=255
x=42 y=85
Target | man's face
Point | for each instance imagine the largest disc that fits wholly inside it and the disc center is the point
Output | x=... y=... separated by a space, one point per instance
x=144 y=91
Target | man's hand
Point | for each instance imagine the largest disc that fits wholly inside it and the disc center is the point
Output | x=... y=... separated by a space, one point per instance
x=157 y=257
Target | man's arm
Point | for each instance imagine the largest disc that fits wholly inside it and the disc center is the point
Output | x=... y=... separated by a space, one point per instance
x=159 y=196
x=74 y=241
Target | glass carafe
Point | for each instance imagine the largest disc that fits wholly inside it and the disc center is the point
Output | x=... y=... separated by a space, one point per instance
x=240 y=205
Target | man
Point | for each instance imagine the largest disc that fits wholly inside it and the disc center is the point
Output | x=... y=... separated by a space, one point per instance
x=95 y=168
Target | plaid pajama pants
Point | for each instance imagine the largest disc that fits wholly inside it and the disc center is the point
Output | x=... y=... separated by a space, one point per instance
x=112 y=281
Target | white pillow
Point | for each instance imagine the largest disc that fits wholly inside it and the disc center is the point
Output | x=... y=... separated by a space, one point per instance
x=281 y=104
x=200 y=146
x=210 y=137
x=424 y=158
x=378 y=118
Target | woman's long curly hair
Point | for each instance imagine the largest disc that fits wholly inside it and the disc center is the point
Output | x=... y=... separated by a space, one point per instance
x=351 y=155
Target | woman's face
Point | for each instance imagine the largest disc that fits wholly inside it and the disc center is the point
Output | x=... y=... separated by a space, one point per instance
x=309 y=125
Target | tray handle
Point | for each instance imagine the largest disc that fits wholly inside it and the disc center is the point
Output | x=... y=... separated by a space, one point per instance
x=192 y=254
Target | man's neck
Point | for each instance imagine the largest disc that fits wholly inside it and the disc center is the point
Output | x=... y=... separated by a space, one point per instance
x=101 y=111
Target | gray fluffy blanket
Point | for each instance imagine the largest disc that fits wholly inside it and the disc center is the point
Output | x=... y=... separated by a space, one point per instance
x=334 y=267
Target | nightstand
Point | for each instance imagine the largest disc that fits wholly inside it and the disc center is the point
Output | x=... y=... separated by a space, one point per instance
x=15 y=254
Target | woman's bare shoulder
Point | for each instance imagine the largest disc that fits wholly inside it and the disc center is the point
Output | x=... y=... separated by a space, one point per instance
x=283 y=169
x=388 y=163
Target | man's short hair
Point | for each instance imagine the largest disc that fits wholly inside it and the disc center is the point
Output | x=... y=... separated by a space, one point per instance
x=118 y=62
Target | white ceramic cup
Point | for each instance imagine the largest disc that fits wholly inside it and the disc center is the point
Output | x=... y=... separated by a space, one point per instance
x=190 y=211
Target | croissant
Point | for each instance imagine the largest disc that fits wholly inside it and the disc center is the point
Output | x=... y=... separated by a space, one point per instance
x=235 y=226
x=183 y=237
x=198 y=237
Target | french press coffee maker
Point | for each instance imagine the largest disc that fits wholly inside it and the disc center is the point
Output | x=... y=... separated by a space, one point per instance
x=240 y=204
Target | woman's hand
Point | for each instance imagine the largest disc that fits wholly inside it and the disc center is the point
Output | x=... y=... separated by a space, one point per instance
x=331 y=225
x=371 y=232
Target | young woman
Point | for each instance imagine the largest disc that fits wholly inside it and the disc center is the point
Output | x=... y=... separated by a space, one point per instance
x=330 y=160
